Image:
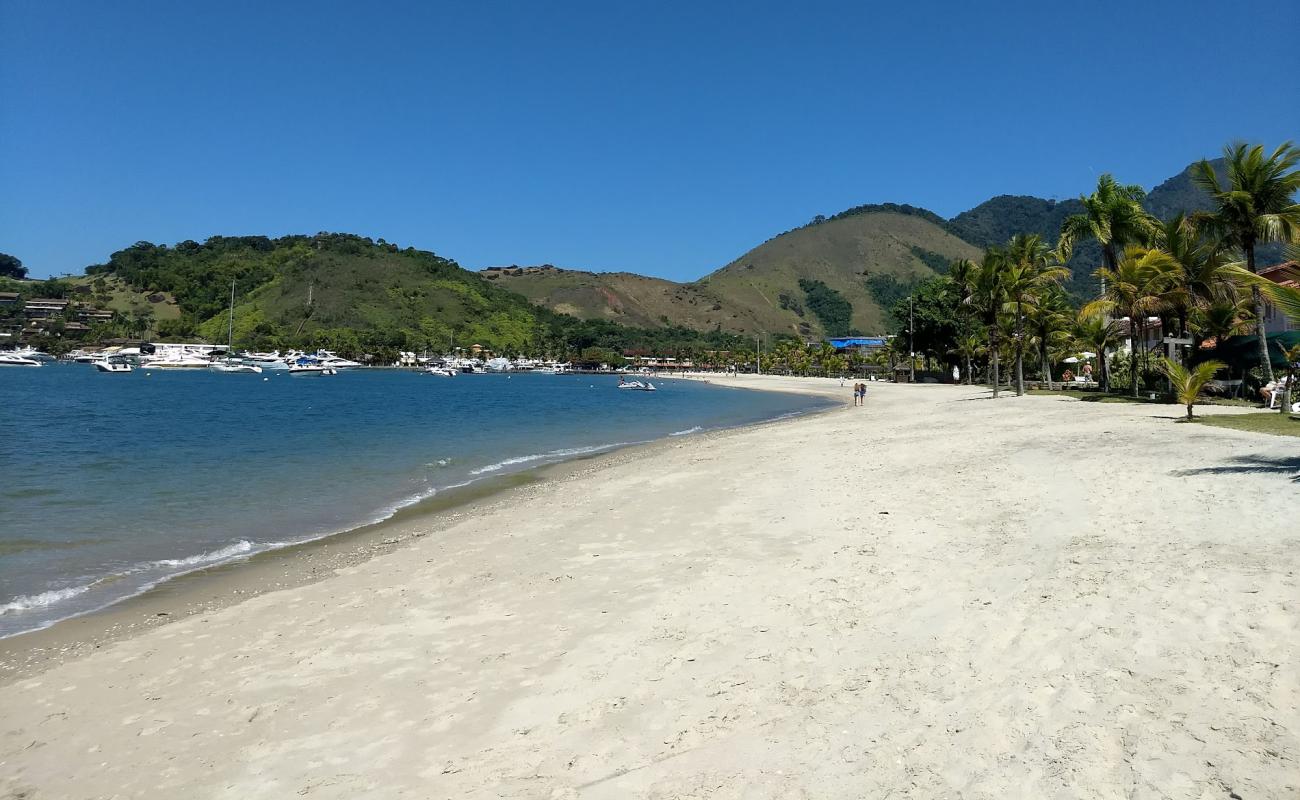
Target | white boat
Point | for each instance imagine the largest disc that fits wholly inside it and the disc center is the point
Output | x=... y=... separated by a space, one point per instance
x=441 y=371
x=333 y=361
x=33 y=354
x=499 y=365
x=12 y=360
x=305 y=365
x=177 y=361
x=230 y=366
x=115 y=364
x=637 y=386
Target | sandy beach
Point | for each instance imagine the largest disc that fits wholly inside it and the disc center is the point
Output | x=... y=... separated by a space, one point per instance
x=932 y=596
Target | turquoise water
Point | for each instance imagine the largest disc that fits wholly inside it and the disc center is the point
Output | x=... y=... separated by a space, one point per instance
x=110 y=484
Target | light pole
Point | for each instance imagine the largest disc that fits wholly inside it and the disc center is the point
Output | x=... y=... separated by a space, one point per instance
x=911 y=346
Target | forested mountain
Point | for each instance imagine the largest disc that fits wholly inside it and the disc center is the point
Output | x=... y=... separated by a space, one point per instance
x=353 y=294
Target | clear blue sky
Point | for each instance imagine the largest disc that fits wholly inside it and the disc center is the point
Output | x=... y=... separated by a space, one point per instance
x=664 y=138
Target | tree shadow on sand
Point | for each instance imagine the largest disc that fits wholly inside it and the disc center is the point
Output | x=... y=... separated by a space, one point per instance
x=1244 y=465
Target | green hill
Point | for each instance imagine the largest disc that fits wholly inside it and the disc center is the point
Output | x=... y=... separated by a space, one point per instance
x=857 y=256
x=623 y=297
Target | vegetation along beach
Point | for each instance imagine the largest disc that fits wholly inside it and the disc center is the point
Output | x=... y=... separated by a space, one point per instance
x=654 y=401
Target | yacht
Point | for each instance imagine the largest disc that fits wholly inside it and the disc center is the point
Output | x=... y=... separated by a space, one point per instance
x=32 y=353
x=14 y=360
x=177 y=361
x=232 y=366
x=441 y=371
x=113 y=364
x=305 y=365
x=330 y=359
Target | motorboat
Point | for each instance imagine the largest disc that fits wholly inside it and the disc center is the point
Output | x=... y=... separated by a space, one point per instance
x=441 y=371
x=637 y=386
x=178 y=361
x=230 y=366
x=330 y=359
x=499 y=365
x=13 y=360
x=33 y=354
x=115 y=364
x=305 y=365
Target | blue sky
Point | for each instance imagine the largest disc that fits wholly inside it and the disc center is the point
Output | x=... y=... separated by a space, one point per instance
x=663 y=138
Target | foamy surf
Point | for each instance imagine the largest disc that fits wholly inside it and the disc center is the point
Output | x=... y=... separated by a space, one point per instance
x=44 y=599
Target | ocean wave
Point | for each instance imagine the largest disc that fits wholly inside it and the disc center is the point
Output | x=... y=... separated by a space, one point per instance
x=696 y=429
x=552 y=454
x=44 y=599
x=238 y=548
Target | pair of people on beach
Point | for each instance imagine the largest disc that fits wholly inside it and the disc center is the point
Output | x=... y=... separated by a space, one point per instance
x=859 y=394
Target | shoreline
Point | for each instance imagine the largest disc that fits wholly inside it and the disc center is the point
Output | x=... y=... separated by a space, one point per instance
x=219 y=586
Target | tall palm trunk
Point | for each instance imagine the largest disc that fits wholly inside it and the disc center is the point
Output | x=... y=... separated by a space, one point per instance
x=1133 y=352
x=993 y=359
x=1047 y=367
x=1260 y=330
x=1105 y=375
x=966 y=374
x=1020 y=351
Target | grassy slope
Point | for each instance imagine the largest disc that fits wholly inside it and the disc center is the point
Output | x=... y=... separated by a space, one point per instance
x=120 y=297
x=841 y=253
x=381 y=291
x=743 y=297
x=623 y=297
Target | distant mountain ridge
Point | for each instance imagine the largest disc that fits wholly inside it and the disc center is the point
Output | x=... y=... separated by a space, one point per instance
x=866 y=255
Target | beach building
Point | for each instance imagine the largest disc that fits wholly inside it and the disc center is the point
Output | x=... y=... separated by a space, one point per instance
x=8 y=298
x=43 y=308
x=859 y=344
x=1286 y=274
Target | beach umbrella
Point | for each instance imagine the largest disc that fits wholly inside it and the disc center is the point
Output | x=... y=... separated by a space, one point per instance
x=1086 y=355
x=1071 y=360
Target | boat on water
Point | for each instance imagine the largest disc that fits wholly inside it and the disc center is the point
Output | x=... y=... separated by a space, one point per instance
x=309 y=366
x=14 y=360
x=334 y=361
x=114 y=364
x=232 y=366
x=32 y=353
x=177 y=361
x=637 y=386
x=441 y=371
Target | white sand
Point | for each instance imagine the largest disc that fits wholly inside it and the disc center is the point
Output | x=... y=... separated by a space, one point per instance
x=934 y=596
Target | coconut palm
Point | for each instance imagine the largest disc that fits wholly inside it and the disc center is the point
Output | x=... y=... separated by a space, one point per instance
x=1202 y=275
x=1099 y=334
x=1029 y=273
x=1113 y=216
x=1221 y=319
x=1257 y=205
x=1189 y=383
x=1048 y=321
x=968 y=347
x=1134 y=289
x=988 y=295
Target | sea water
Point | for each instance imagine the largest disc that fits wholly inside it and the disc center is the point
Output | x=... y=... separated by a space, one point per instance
x=111 y=484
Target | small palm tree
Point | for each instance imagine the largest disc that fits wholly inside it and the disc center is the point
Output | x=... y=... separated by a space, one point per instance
x=1113 y=216
x=1029 y=273
x=1189 y=383
x=1134 y=289
x=1098 y=334
x=1257 y=205
x=988 y=296
x=968 y=346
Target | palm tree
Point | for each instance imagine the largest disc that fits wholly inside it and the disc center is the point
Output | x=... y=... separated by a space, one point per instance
x=1188 y=384
x=1201 y=276
x=1257 y=205
x=1029 y=272
x=1097 y=333
x=1113 y=216
x=988 y=295
x=968 y=347
x=1049 y=325
x=1134 y=289
x=1221 y=319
